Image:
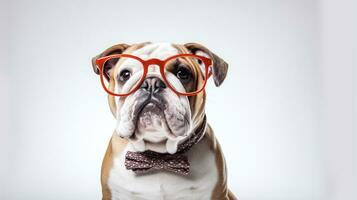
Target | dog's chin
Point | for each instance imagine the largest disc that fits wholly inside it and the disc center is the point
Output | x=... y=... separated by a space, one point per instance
x=153 y=132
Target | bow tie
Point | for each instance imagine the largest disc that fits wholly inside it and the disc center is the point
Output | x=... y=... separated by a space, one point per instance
x=141 y=162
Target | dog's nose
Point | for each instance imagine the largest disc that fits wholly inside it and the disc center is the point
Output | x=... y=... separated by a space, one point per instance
x=153 y=84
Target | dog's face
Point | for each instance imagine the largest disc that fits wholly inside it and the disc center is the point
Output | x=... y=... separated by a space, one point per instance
x=154 y=117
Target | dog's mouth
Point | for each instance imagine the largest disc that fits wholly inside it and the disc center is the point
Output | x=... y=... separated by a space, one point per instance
x=149 y=105
x=152 y=131
x=152 y=123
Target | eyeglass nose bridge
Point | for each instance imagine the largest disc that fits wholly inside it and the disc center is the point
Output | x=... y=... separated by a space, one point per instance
x=154 y=61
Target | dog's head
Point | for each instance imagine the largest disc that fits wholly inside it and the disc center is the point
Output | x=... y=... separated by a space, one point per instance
x=154 y=117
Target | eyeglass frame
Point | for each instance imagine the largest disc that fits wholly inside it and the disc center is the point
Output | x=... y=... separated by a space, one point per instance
x=154 y=61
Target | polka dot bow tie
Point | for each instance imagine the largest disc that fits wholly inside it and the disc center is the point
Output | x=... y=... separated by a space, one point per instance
x=141 y=162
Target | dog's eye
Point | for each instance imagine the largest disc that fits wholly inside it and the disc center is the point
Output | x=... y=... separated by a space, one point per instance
x=183 y=74
x=124 y=75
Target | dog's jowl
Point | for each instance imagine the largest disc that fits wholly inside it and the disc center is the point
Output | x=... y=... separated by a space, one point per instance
x=162 y=146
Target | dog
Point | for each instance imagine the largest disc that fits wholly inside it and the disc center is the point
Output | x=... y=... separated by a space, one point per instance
x=162 y=146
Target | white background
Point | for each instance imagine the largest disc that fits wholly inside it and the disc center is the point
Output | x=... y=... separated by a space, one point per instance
x=285 y=115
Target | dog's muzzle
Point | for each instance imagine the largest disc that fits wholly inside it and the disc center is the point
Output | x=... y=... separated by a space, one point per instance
x=157 y=119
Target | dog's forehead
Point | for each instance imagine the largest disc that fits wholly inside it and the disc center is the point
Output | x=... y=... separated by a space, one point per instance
x=156 y=50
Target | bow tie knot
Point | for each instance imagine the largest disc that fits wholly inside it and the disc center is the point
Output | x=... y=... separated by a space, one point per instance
x=141 y=162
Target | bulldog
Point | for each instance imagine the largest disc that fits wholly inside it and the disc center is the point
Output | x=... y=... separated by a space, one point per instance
x=162 y=146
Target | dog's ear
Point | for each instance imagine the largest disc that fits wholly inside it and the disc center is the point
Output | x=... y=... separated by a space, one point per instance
x=116 y=49
x=220 y=67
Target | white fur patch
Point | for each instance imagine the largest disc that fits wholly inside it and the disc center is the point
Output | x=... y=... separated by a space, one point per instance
x=199 y=184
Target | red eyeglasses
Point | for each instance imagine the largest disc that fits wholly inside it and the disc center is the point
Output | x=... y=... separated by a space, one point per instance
x=133 y=70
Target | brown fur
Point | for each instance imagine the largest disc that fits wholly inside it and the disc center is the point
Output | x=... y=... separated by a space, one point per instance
x=115 y=147
x=221 y=190
x=219 y=66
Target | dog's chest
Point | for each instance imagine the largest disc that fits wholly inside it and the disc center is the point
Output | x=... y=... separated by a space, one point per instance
x=199 y=184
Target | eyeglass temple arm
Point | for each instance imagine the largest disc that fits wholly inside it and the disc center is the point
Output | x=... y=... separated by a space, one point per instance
x=209 y=72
